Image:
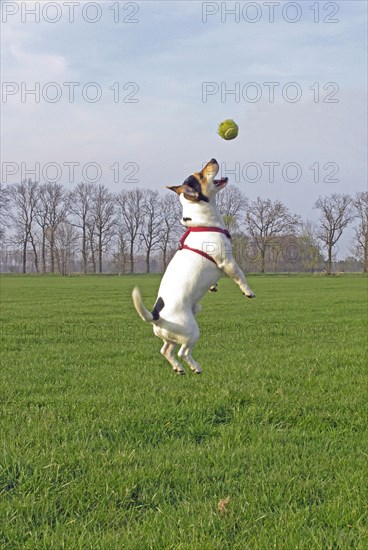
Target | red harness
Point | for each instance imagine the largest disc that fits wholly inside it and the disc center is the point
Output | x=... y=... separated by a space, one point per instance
x=183 y=246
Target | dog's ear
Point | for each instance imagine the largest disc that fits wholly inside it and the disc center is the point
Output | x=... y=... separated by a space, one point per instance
x=188 y=192
x=175 y=188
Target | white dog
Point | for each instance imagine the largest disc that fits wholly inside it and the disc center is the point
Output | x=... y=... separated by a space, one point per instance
x=204 y=253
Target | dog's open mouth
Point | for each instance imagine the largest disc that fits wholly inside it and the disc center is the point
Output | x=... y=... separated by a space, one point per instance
x=221 y=182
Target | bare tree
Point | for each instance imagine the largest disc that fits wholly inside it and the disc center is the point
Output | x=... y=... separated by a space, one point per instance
x=243 y=251
x=4 y=208
x=52 y=210
x=231 y=203
x=91 y=241
x=309 y=248
x=42 y=216
x=360 y=204
x=121 y=256
x=66 y=239
x=336 y=214
x=131 y=210
x=25 y=198
x=151 y=229
x=170 y=226
x=276 y=251
x=266 y=221
x=103 y=213
x=80 y=206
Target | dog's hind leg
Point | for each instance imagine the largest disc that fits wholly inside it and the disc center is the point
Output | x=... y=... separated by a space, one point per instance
x=186 y=355
x=168 y=351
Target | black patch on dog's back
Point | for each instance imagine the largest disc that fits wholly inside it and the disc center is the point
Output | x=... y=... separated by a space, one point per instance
x=159 y=306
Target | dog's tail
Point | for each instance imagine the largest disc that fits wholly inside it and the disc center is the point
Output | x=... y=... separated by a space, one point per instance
x=143 y=311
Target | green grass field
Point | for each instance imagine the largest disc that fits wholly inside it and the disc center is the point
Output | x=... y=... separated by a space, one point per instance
x=104 y=447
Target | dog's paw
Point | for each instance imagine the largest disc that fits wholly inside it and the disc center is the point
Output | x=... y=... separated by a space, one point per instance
x=179 y=370
x=196 y=370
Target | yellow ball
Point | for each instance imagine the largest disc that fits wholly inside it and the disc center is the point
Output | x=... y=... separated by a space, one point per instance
x=228 y=129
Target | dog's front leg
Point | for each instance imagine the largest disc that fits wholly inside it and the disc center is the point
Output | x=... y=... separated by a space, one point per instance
x=232 y=270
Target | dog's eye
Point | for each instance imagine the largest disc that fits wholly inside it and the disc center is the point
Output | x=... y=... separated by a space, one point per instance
x=192 y=182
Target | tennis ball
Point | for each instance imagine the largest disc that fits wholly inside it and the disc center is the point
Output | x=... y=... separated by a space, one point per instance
x=228 y=129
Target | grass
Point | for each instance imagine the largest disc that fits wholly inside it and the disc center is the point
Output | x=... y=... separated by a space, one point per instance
x=103 y=447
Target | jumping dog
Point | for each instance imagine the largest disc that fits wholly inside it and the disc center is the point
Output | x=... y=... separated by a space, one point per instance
x=204 y=254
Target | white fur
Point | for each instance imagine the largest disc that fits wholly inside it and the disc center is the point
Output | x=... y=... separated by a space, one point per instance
x=188 y=277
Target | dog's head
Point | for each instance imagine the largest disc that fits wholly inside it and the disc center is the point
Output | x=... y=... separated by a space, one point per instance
x=201 y=186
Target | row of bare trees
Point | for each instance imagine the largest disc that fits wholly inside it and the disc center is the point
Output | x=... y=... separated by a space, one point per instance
x=271 y=225
x=55 y=225
x=60 y=229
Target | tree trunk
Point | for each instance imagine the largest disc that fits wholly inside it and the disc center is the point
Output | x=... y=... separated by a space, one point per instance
x=43 y=251
x=93 y=259
x=69 y=263
x=52 y=251
x=84 y=251
x=131 y=257
x=165 y=257
x=148 y=261
x=59 y=262
x=263 y=261
x=100 y=253
x=329 y=260
x=24 y=256
x=35 y=256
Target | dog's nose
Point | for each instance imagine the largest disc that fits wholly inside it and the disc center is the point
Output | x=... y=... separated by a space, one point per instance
x=213 y=161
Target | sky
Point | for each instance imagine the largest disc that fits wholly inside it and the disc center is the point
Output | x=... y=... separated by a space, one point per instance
x=131 y=94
